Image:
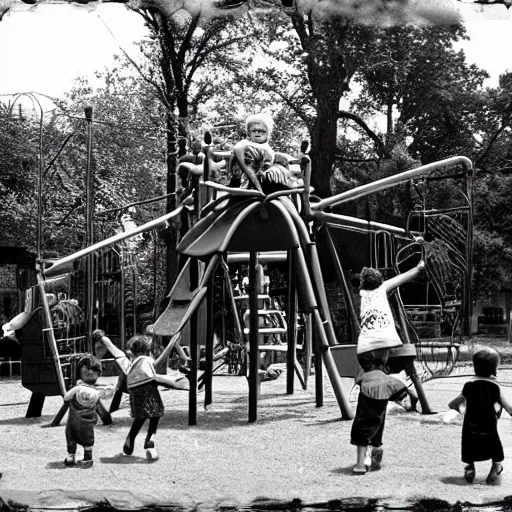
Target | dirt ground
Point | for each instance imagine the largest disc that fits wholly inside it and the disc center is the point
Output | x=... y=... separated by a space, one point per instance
x=295 y=450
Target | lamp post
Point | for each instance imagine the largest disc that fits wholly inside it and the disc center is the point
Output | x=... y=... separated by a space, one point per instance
x=39 y=222
x=89 y=226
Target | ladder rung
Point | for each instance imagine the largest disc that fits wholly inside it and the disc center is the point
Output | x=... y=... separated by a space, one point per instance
x=268 y=330
x=276 y=348
x=246 y=297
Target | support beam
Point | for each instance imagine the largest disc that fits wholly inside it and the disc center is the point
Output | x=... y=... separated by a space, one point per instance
x=254 y=355
x=208 y=375
x=292 y=323
x=194 y=331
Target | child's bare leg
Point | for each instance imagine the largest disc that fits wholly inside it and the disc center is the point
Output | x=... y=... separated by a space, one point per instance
x=361 y=455
x=130 y=439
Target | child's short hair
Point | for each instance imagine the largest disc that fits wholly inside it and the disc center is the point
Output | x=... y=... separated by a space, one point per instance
x=370 y=279
x=140 y=344
x=486 y=361
x=374 y=359
x=89 y=361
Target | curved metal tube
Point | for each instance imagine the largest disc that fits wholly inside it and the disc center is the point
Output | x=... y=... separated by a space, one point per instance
x=59 y=266
x=389 y=181
x=335 y=220
x=230 y=191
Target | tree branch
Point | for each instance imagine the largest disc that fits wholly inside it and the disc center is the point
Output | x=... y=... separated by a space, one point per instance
x=185 y=44
x=346 y=159
x=492 y=141
x=381 y=150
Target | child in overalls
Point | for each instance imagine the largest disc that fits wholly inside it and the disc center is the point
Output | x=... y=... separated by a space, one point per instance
x=84 y=401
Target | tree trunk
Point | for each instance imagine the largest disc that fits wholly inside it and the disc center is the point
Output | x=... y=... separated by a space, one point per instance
x=389 y=123
x=172 y=241
x=323 y=144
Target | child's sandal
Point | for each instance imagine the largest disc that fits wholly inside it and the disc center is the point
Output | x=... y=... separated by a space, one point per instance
x=469 y=474
x=493 y=478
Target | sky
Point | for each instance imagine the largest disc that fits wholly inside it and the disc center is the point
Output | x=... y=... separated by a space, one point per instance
x=44 y=48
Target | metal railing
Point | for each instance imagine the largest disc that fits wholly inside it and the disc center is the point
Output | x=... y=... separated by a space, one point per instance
x=10 y=369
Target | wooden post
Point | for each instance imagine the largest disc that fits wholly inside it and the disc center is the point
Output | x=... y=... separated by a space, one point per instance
x=254 y=355
x=292 y=323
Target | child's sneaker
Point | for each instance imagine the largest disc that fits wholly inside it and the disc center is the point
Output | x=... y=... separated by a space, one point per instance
x=151 y=453
x=70 y=460
x=377 y=458
x=469 y=473
x=494 y=476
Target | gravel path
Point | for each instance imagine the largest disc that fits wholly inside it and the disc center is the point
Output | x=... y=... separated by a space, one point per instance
x=294 y=450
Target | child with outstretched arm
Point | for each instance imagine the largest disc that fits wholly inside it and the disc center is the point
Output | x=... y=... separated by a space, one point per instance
x=84 y=405
x=483 y=402
x=142 y=383
x=377 y=336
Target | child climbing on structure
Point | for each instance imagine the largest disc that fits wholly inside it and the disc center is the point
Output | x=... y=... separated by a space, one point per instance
x=483 y=402
x=84 y=404
x=378 y=335
x=142 y=383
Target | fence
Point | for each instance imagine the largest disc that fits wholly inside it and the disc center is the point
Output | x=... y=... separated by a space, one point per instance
x=10 y=369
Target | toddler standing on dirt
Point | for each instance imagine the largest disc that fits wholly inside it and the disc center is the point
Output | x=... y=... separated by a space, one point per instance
x=142 y=383
x=378 y=335
x=84 y=402
x=483 y=403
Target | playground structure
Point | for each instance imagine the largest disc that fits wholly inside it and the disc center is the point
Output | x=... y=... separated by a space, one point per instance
x=238 y=225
